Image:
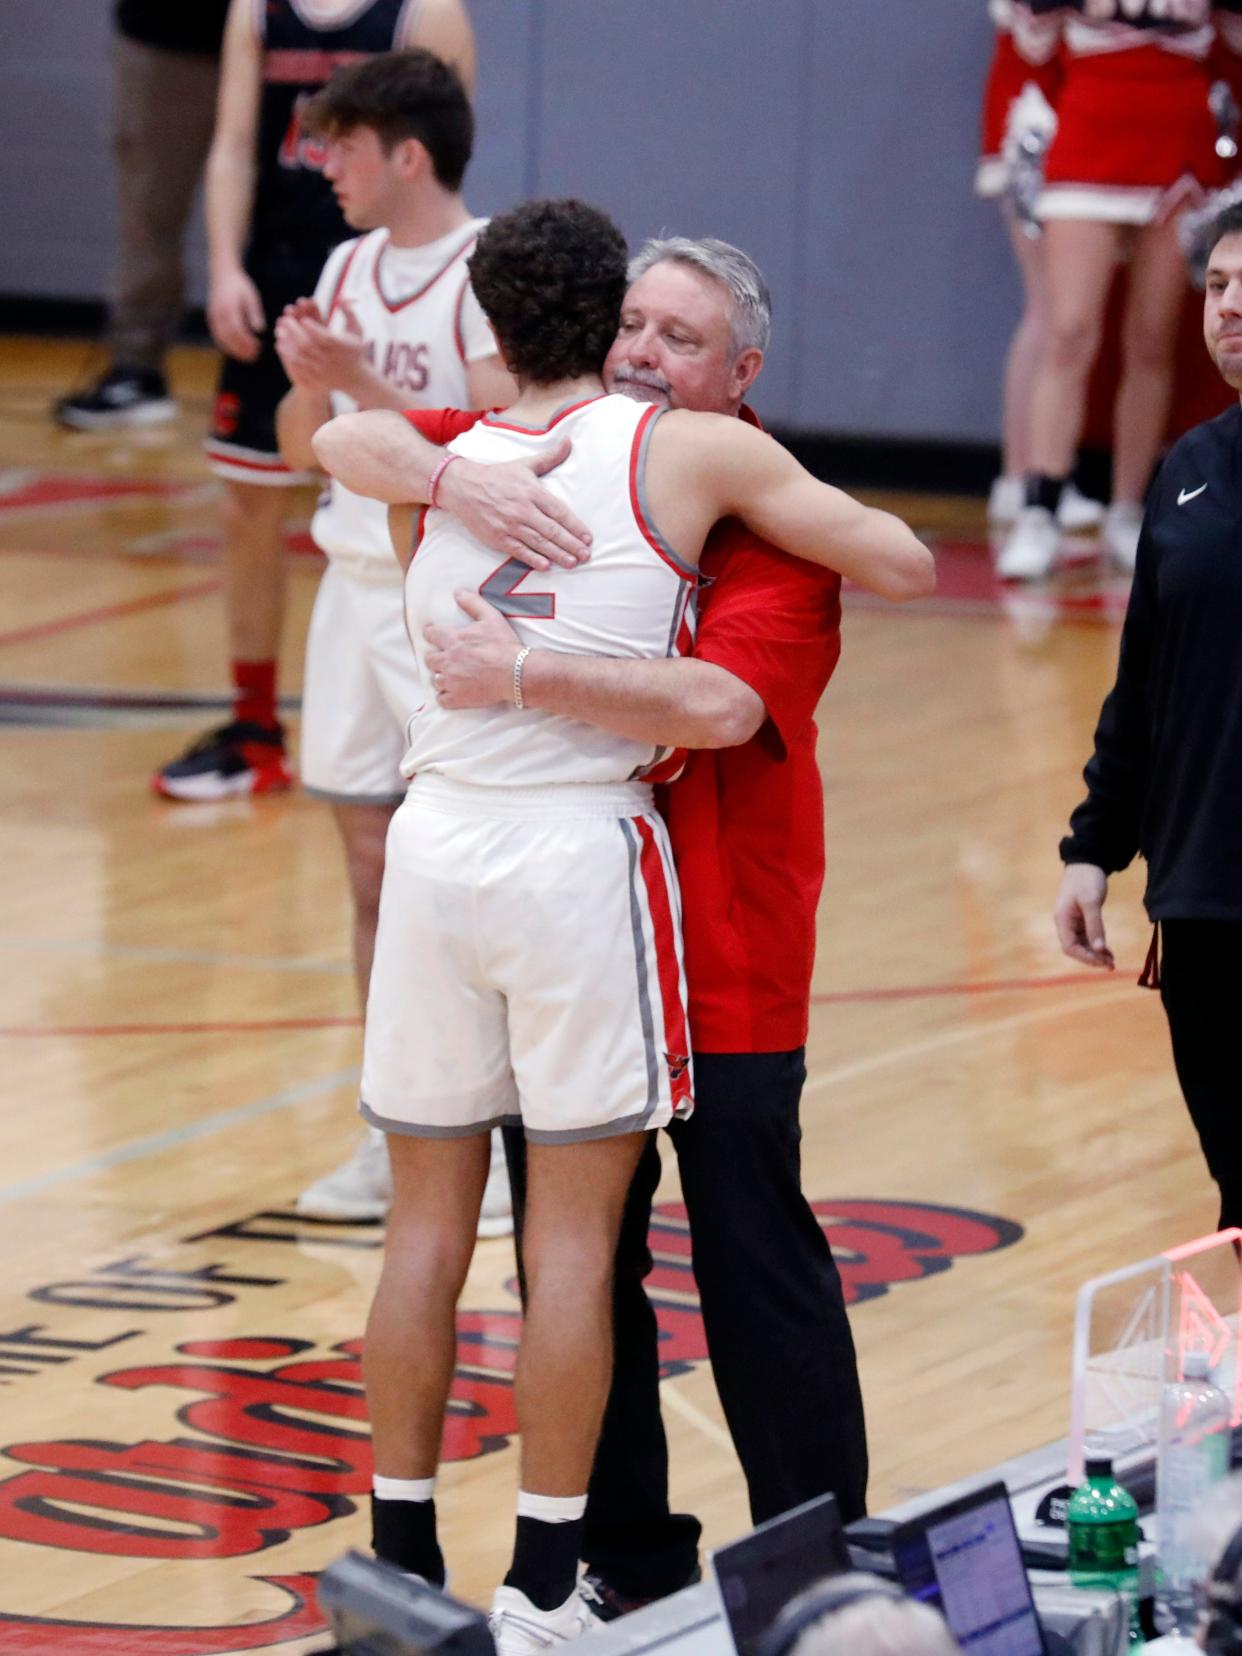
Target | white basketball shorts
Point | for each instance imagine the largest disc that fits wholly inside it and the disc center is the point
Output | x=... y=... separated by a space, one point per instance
x=360 y=685
x=528 y=966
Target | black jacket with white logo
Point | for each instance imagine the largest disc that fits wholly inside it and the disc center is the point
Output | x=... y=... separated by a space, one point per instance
x=1165 y=779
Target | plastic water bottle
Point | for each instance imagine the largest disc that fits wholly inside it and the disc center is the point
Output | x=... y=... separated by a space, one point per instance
x=1102 y=1521
x=1195 y=1440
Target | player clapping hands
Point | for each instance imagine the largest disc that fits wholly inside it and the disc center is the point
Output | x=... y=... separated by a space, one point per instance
x=316 y=359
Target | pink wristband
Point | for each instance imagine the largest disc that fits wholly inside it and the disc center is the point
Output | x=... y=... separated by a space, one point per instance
x=434 y=481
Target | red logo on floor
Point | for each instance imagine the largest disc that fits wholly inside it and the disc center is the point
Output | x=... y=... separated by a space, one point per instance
x=274 y=1432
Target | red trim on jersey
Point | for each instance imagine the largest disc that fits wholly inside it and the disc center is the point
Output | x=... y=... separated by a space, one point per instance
x=305 y=65
x=664 y=933
x=667 y=769
x=227 y=456
x=645 y=528
x=540 y=431
x=392 y=309
x=340 y=281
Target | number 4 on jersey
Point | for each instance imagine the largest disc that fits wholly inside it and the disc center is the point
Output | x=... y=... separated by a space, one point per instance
x=500 y=590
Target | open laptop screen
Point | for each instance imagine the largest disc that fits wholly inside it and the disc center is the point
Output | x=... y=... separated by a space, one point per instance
x=758 y=1575
x=964 y=1559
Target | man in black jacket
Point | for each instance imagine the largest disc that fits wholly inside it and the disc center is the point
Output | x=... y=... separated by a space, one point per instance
x=1165 y=779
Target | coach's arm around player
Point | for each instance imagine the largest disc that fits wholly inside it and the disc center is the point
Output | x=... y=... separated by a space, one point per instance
x=379 y=453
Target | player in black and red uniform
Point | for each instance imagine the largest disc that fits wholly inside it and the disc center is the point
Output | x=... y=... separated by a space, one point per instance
x=272 y=220
x=1008 y=75
x=1135 y=144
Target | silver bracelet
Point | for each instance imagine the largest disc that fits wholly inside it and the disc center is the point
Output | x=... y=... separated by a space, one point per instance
x=519 y=661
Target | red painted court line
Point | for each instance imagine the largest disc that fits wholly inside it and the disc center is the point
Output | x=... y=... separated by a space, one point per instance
x=240 y=1027
x=926 y=991
x=923 y=991
x=109 y=612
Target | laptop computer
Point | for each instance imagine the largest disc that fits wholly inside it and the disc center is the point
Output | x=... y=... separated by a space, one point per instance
x=758 y=1575
x=964 y=1558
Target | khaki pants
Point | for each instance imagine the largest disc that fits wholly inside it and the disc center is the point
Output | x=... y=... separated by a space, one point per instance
x=163 y=120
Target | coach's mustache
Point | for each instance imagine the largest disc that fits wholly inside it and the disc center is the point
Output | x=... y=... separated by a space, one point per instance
x=651 y=382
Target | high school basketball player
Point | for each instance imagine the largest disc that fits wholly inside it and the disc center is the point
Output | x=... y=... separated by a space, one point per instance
x=392 y=322
x=271 y=223
x=528 y=848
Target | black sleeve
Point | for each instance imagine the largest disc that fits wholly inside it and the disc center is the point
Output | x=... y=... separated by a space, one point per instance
x=1105 y=828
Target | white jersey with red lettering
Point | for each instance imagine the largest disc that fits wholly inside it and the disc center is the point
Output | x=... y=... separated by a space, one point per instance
x=423 y=326
x=633 y=598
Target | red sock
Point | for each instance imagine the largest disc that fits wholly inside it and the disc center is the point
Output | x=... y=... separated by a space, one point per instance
x=254 y=692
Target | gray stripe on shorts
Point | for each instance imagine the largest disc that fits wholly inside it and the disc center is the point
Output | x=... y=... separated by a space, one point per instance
x=419 y=1129
x=640 y=961
x=329 y=798
x=639 y=1123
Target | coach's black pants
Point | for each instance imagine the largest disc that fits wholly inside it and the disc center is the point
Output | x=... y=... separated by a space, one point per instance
x=1201 y=986
x=774 y=1314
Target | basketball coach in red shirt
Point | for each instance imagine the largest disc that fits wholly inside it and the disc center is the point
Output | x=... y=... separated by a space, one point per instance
x=746 y=820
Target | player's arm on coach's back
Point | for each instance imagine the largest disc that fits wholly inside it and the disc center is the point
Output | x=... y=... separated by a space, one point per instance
x=702 y=467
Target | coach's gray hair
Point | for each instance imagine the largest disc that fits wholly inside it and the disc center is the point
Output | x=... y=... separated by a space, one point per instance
x=751 y=322
x=878 y=1627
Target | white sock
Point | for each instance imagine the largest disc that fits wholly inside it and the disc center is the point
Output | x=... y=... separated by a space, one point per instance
x=551 y=1509
x=403 y=1489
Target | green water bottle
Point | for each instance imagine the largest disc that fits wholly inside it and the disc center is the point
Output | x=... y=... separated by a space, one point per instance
x=1102 y=1520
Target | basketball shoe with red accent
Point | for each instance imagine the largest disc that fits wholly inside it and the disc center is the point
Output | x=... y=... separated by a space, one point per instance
x=230 y=762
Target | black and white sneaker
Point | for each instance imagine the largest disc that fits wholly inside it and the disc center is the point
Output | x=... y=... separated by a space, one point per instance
x=120 y=397
x=231 y=762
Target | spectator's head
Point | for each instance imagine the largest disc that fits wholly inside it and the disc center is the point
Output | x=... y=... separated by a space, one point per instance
x=1218 y=1533
x=694 y=326
x=858 y=1615
x=550 y=277
x=387 y=123
x=1221 y=241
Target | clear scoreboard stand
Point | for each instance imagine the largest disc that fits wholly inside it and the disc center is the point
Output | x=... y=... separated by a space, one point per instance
x=1133 y=1328
x=1132 y=1331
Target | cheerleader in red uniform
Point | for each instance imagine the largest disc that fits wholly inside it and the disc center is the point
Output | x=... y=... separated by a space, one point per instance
x=1008 y=75
x=1135 y=144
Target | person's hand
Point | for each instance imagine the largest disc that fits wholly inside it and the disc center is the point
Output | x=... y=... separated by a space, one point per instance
x=1078 y=915
x=235 y=315
x=316 y=359
x=472 y=666
x=505 y=506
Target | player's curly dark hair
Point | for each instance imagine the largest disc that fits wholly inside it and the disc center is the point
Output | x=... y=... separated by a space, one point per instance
x=550 y=276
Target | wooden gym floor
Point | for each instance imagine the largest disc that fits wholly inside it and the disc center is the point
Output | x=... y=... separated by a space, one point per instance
x=184 y=1439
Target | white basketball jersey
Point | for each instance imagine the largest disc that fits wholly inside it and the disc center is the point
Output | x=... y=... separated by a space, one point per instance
x=422 y=325
x=632 y=598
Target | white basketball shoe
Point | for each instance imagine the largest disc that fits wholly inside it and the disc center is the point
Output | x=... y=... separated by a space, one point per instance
x=1030 y=548
x=520 y=1628
x=1121 y=535
x=359 y=1189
